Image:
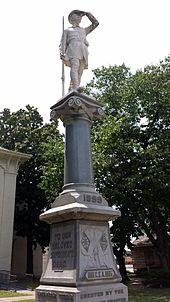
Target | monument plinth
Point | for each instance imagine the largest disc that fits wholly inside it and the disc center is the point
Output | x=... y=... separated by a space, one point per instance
x=81 y=265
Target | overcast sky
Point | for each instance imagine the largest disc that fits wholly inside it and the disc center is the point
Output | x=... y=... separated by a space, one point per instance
x=135 y=32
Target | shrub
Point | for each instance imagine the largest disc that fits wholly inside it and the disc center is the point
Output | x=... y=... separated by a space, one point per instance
x=156 y=278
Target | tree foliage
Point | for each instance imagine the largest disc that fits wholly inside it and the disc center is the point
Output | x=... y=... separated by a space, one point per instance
x=131 y=149
x=24 y=131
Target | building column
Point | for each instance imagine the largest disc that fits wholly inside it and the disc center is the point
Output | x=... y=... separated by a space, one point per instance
x=9 y=164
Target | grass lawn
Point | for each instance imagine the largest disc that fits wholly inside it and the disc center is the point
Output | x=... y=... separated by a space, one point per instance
x=8 y=293
x=149 y=295
x=135 y=295
x=30 y=300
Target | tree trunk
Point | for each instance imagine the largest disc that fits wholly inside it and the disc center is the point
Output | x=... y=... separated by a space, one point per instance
x=160 y=243
x=29 y=256
x=162 y=250
x=121 y=261
x=163 y=255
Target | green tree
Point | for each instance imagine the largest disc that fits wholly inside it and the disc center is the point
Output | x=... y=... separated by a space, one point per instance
x=131 y=149
x=23 y=131
x=52 y=156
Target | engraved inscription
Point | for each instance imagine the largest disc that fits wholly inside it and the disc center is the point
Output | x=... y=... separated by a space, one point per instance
x=62 y=247
x=99 y=274
x=66 y=298
x=109 y=295
x=46 y=296
x=92 y=198
x=91 y=295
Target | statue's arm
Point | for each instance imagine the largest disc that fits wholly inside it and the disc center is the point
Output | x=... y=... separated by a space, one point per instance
x=63 y=45
x=94 y=22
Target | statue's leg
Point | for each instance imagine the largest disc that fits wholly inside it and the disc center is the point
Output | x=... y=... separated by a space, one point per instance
x=70 y=87
x=74 y=73
x=80 y=71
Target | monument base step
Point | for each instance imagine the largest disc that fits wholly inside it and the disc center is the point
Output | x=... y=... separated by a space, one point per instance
x=113 y=292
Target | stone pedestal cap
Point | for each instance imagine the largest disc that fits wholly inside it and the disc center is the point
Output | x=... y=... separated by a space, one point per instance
x=80 y=211
x=76 y=103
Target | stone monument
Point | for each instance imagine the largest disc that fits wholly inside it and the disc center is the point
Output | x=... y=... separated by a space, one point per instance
x=81 y=266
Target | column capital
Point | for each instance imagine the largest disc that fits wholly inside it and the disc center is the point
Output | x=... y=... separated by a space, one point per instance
x=76 y=104
x=11 y=160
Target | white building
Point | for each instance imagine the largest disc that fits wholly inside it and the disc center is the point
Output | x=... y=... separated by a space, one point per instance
x=9 y=164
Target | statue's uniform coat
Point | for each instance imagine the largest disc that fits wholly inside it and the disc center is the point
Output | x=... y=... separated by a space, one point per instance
x=76 y=45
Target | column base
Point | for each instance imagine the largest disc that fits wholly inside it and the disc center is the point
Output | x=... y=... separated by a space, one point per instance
x=80 y=205
x=79 y=188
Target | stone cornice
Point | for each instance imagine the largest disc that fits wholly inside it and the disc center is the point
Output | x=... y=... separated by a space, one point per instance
x=10 y=160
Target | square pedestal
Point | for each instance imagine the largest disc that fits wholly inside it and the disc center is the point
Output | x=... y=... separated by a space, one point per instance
x=80 y=254
x=81 y=266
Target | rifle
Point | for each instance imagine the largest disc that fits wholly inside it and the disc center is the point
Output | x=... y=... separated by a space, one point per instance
x=63 y=73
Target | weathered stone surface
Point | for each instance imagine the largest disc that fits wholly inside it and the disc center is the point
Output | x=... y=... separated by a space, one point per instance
x=76 y=110
x=96 y=260
x=61 y=266
x=80 y=205
x=75 y=103
x=90 y=197
x=79 y=211
x=93 y=293
x=80 y=253
x=81 y=265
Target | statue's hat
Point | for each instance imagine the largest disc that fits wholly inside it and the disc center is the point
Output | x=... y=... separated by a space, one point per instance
x=77 y=12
